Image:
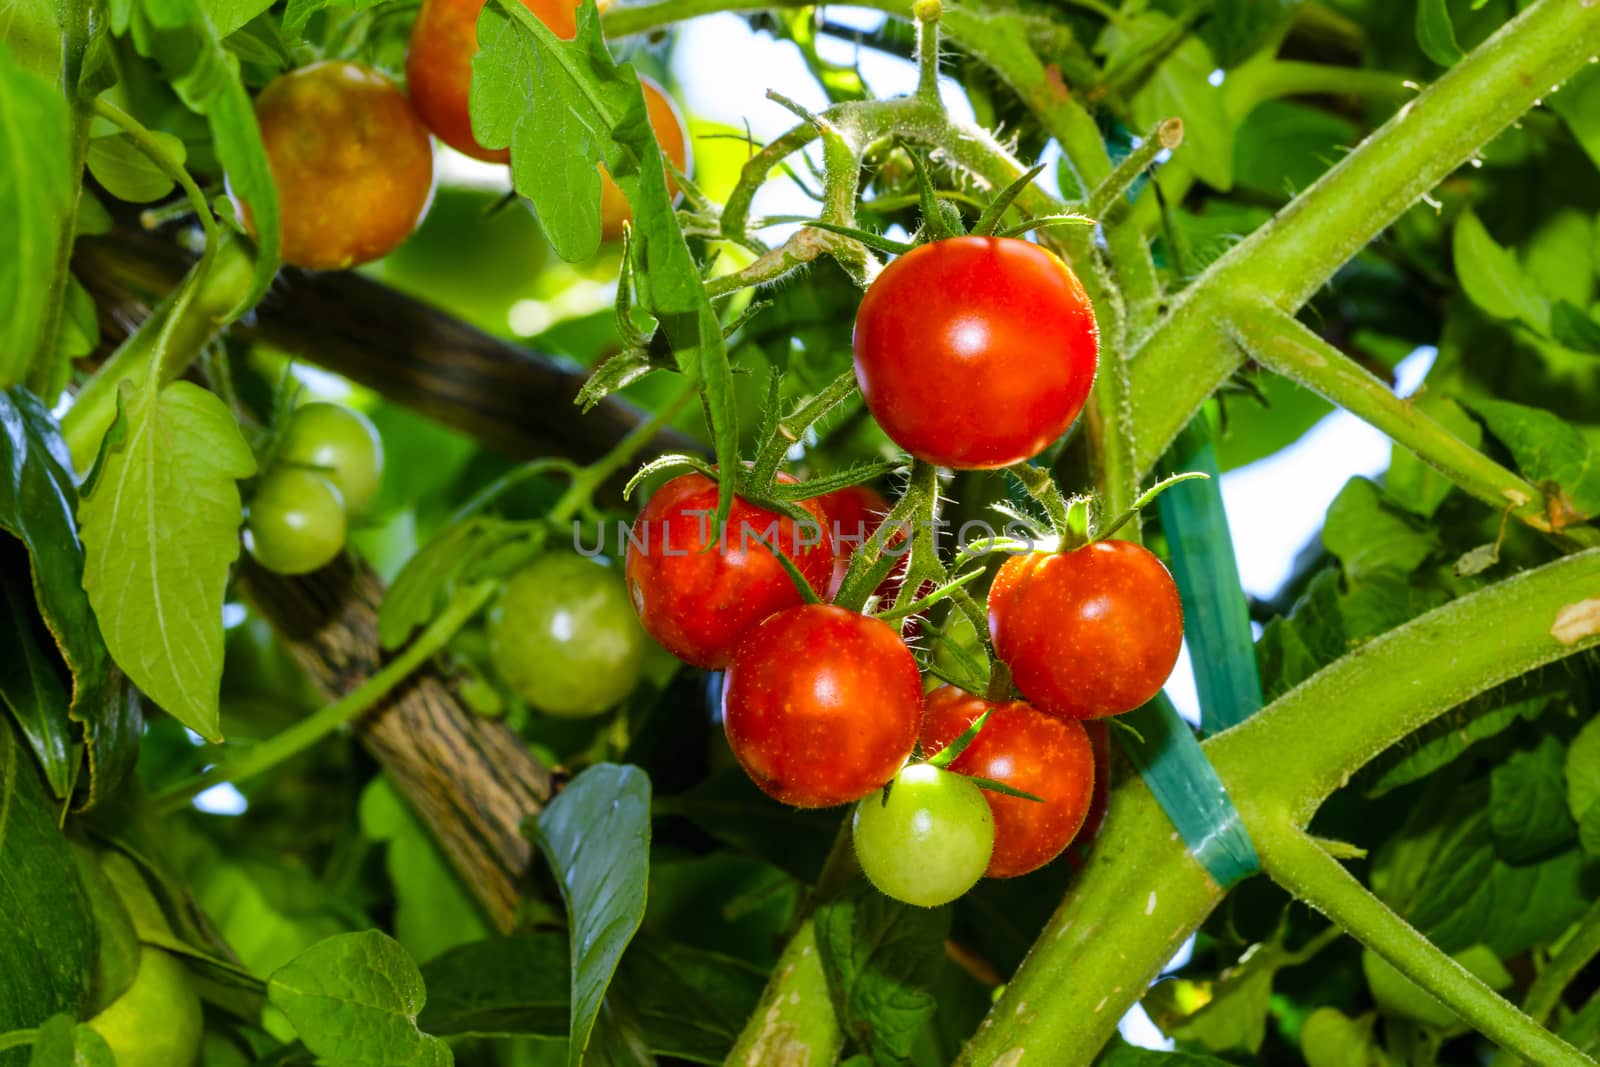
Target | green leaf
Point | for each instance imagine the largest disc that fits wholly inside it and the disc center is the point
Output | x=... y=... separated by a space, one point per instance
x=1528 y=804
x=298 y=12
x=1578 y=104
x=596 y=837
x=1121 y=1054
x=155 y=570
x=1436 y=34
x=30 y=685
x=1575 y=328
x=1367 y=533
x=1329 y=1038
x=36 y=202
x=38 y=505
x=1589 y=830
x=354 y=1001
x=729 y=807
x=879 y=956
x=1448 y=738
x=1492 y=278
x=1582 y=770
x=691 y=1004
x=47 y=938
x=65 y=1042
x=118 y=163
x=502 y=987
x=1180 y=87
x=181 y=37
x=1398 y=995
x=228 y=16
x=80 y=324
x=433 y=910
x=1548 y=451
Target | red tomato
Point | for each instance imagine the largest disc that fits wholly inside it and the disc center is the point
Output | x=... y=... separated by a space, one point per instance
x=821 y=705
x=1028 y=750
x=1088 y=633
x=976 y=352
x=697 y=599
x=439 y=74
x=352 y=162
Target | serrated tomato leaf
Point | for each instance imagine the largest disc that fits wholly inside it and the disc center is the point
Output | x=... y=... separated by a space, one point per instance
x=1528 y=805
x=1549 y=452
x=160 y=532
x=596 y=837
x=354 y=1000
x=36 y=202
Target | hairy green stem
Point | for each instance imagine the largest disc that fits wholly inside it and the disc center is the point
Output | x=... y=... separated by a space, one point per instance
x=262 y=757
x=156 y=152
x=1110 y=192
x=1296 y=862
x=1276 y=339
x=794 y=1024
x=1187 y=356
x=1144 y=885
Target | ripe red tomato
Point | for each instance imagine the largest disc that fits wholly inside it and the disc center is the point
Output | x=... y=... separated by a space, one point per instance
x=697 y=599
x=439 y=75
x=821 y=705
x=351 y=160
x=976 y=352
x=1028 y=750
x=1087 y=633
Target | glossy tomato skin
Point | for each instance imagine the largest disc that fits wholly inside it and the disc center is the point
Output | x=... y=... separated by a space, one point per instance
x=563 y=637
x=696 y=599
x=976 y=352
x=821 y=705
x=1024 y=748
x=928 y=841
x=1100 y=741
x=296 y=523
x=1087 y=633
x=352 y=162
x=341 y=444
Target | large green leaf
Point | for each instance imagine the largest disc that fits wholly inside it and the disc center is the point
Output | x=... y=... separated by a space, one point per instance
x=354 y=1001
x=1436 y=34
x=596 y=836
x=38 y=502
x=1549 y=451
x=36 y=203
x=1578 y=103
x=1368 y=534
x=880 y=956
x=30 y=685
x=1528 y=804
x=161 y=529
x=47 y=937
x=499 y=988
x=729 y=807
x=1492 y=278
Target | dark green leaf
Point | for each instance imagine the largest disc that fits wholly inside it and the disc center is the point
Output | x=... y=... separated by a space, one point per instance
x=1582 y=770
x=1547 y=450
x=47 y=939
x=729 y=807
x=30 y=684
x=879 y=956
x=1528 y=804
x=64 y=1042
x=298 y=12
x=1436 y=34
x=1367 y=533
x=596 y=837
x=36 y=186
x=1574 y=327
x=499 y=987
x=1578 y=103
x=690 y=1004
x=354 y=1001
x=1448 y=738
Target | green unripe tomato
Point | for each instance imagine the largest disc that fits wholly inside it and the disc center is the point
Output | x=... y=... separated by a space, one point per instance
x=158 y=1021
x=340 y=444
x=296 y=522
x=564 y=638
x=930 y=841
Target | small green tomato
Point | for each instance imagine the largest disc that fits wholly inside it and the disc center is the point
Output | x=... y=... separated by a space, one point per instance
x=340 y=444
x=930 y=841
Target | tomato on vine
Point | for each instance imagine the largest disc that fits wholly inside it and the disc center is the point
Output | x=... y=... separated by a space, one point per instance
x=695 y=597
x=352 y=162
x=439 y=76
x=929 y=840
x=563 y=636
x=975 y=352
x=1087 y=633
x=296 y=523
x=821 y=705
x=1026 y=749
x=339 y=443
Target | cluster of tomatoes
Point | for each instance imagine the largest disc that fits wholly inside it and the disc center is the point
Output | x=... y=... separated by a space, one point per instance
x=971 y=353
x=325 y=468
x=350 y=152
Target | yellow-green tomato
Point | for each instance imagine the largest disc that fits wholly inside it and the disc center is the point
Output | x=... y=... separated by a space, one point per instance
x=340 y=444
x=297 y=522
x=158 y=1021
x=929 y=841
x=564 y=638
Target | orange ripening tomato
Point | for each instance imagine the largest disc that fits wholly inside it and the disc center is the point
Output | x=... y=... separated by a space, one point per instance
x=351 y=160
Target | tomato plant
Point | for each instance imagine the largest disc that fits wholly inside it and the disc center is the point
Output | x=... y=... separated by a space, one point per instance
x=807 y=679
x=332 y=727
x=563 y=637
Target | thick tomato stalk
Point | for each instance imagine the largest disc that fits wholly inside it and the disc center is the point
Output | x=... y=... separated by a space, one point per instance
x=352 y=162
x=696 y=597
x=1051 y=758
x=821 y=705
x=1087 y=633
x=976 y=352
